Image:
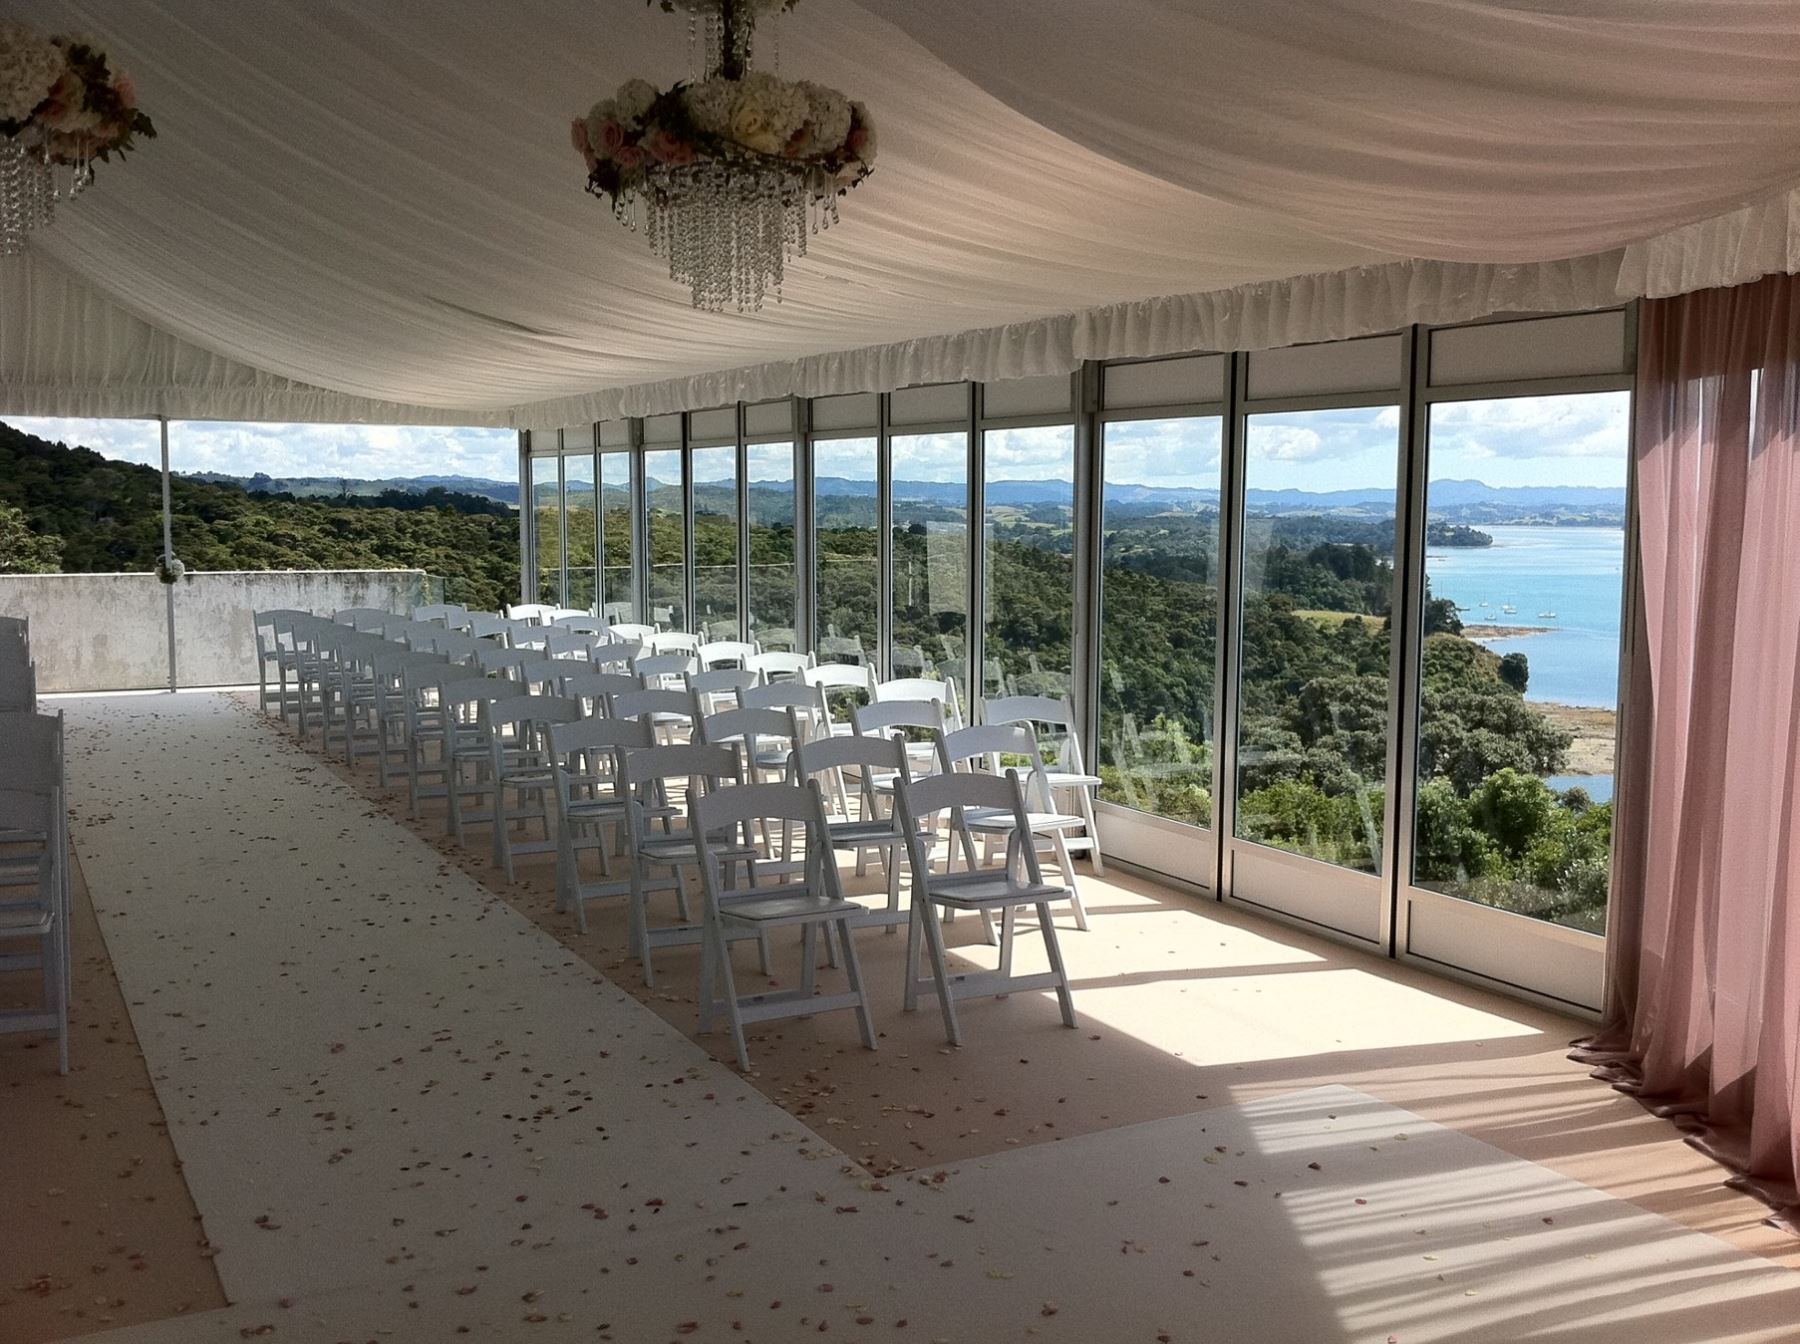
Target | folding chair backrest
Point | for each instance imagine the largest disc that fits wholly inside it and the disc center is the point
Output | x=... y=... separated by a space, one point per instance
x=532 y=612
x=516 y=711
x=720 y=684
x=726 y=653
x=779 y=664
x=659 y=670
x=886 y=714
x=986 y=746
x=361 y=618
x=711 y=767
x=616 y=655
x=444 y=612
x=598 y=687
x=870 y=753
x=919 y=801
x=590 y=734
x=526 y=635
x=562 y=643
x=502 y=661
x=582 y=624
x=749 y=726
x=614 y=612
x=541 y=673
x=731 y=809
x=841 y=649
x=635 y=704
x=1037 y=712
x=640 y=633
x=835 y=676
x=32 y=746
x=674 y=641
x=779 y=638
x=485 y=626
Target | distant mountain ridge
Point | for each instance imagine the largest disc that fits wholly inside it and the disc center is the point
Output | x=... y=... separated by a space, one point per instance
x=1458 y=500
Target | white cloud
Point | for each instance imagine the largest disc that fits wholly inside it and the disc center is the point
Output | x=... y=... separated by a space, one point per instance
x=1526 y=428
x=1183 y=452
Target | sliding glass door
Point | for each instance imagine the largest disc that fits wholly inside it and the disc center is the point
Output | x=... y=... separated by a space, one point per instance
x=716 y=503
x=846 y=535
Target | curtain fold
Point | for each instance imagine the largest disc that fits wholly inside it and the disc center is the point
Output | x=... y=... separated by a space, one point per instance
x=1703 y=1019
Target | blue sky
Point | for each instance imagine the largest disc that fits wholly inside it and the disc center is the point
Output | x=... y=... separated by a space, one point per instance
x=1563 y=440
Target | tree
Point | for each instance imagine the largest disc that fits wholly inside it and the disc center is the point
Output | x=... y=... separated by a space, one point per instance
x=1515 y=671
x=23 y=551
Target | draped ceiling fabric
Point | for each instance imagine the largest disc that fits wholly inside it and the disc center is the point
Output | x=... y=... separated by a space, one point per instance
x=371 y=212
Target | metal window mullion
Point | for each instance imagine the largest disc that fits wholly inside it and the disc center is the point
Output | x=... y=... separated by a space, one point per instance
x=744 y=614
x=686 y=458
x=527 y=521
x=1406 y=642
x=562 y=522
x=639 y=518
x=975 y=541
x=1086 y=557
x=1228 y=599
x=806 y=543
x=884 y=538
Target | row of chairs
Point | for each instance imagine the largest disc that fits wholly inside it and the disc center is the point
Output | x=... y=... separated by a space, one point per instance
x=632 y=771
x=35 y=904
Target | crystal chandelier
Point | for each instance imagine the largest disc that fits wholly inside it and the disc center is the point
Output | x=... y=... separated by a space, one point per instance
x=62 y=110
x=729 y=172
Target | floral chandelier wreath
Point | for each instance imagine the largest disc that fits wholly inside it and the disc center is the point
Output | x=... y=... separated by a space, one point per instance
x=727 y=173
x=62 y=106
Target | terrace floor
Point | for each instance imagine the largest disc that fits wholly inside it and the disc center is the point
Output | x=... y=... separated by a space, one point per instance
x=402 y=1096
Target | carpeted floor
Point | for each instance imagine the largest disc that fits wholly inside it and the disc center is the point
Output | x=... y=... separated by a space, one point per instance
x=404 y=1108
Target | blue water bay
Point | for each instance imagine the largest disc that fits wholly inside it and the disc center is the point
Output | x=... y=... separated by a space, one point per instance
x=1575 y=572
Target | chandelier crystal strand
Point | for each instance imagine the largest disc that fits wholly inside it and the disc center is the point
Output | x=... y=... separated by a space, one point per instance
x=27 y=192
x=728 y=174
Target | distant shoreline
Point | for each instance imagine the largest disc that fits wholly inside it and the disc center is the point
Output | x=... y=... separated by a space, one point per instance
x=1480 y=632
x=1595 y=735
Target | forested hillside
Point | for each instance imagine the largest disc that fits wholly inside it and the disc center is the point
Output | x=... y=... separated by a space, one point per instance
x=84 y=513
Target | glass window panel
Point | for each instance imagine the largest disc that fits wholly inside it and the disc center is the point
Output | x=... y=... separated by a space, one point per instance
x=546 y=517
x=1525 y=558
x=1029 y=499
x=1159 y=615
x=619 y=537
x=668 y=566
x=1318 y=579
x=584 y=538
x=716 y=539
x=931 y=557
x=769 y=507
x=845 y=505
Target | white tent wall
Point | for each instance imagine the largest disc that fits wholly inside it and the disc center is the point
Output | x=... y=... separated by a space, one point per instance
x=372 y=213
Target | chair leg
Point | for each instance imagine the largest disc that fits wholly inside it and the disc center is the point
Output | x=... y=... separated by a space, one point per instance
x=1086 y=798
x=1067 y=864
x=809 y=956
x=934 y=944
x=722 y=959
x=1054 y=949
x=853 y=971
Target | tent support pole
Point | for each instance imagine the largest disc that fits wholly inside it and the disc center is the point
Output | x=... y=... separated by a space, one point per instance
x=168 y=547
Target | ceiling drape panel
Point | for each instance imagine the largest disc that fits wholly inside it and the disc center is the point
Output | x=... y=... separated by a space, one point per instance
x=373 y=209
x=1458 y=129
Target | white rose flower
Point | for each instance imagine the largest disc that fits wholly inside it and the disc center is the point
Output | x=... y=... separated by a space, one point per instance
x=634 y=99
x=29 y=66
x=828 y=117
x=709 y=104
x=768 y=112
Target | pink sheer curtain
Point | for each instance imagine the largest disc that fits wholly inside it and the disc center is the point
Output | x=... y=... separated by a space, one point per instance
x=1704 y=942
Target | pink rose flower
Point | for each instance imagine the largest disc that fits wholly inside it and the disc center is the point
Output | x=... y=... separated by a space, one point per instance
x=126 y=90
x=858 y=141
x=578 y=137
x=666 y=147
x=612 y=138
x=629 y=156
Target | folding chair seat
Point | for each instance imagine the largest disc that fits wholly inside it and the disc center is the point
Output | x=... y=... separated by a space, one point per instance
x=810 y=901
x=1014 y=883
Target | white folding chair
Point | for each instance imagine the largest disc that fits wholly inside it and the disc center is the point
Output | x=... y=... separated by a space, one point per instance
x=924 y=688
x=584 y=760
x=725 y=653
x=429 y=725
x=1066 y=770
x=595 y=690
x=811 y=902
x=638 y=633
x=655 y=842
x=720 y=688
x=614 y=655
x=535 y=613
x=517 y=730
x=667 y=711
x=866 y=830
x=466 y=748
x=991 y=746
x=1004 y=888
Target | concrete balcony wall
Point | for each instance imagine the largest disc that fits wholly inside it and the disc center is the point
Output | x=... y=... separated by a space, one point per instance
x=109 y=632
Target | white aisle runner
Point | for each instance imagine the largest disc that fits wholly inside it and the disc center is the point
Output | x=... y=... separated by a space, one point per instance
x=406 y=1112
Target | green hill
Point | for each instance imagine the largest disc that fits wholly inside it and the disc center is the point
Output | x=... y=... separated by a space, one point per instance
x=103 y=516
